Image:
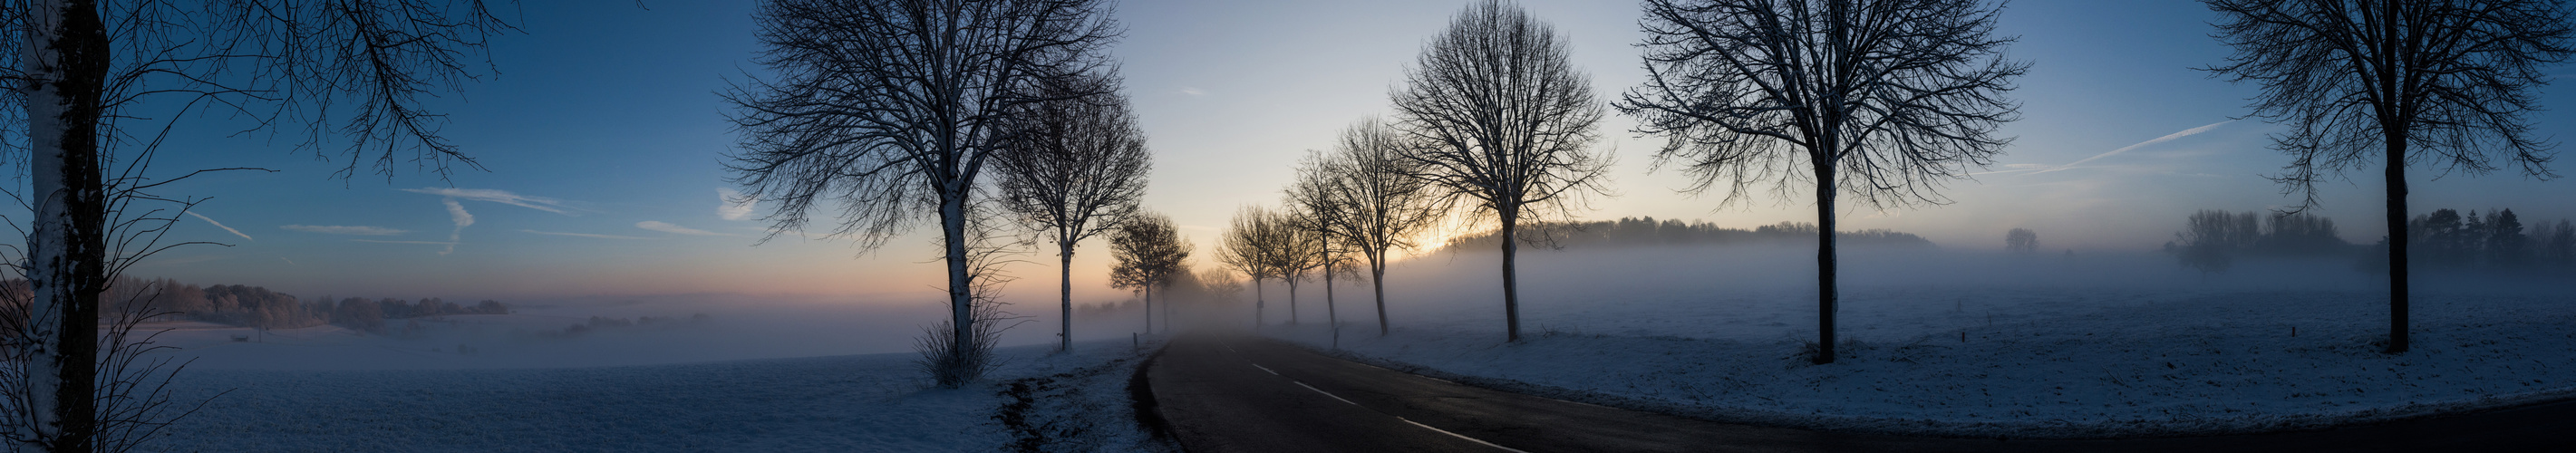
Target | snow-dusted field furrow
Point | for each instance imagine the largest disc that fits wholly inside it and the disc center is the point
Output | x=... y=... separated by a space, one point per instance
x=2049 y=362
x=873 y=402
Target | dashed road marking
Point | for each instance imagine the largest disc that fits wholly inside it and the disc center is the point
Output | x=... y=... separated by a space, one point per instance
x=1264 y=368
x=1469 y=439
x=1330 y=394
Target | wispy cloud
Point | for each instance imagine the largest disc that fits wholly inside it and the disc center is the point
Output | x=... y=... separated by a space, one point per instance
x=676 y=229
x=347 y=230
x=733 y=207
x=499 y=196
x=2037 y=169
x=221 y=225
x=1194 y=92
x=584 y=235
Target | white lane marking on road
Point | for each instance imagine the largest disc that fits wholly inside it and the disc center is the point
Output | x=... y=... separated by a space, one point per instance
x=1330 y=394
x=1469 y=439
x=1264 y=368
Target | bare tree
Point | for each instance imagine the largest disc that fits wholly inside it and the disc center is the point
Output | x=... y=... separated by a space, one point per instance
x=352 y=68
x=1883 y=99
x=1499 y=117
x=2021 y=240
x=1367 y=201
x=1075 y=169
x=893 y=108
x=2449 y=81
x=1151 y=254
x=1300 y=247
x=1252 y=245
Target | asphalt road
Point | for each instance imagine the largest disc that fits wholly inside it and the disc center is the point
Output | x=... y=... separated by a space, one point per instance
x=1240 y=394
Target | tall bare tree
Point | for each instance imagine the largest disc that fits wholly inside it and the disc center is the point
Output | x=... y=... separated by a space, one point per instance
x=2445 y=83
x=1252 y=244
x=1364 y=192
x=1882 y=99
x=1151 y=254
x=1499 y=117
x=350 y=69
x=893 y=108
x=1075 y=169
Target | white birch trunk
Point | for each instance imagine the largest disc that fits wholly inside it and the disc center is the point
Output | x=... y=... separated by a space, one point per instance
x=64 y=59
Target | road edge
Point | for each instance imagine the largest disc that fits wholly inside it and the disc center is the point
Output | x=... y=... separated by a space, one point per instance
x=1149 y=411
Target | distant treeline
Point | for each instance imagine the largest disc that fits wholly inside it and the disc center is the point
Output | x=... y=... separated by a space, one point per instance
x=250 y=306
x=1635 y=231
x=2445 y=239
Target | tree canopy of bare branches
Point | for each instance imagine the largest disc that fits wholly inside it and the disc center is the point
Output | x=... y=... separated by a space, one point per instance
x=352 y=69
x=1257 y=243
x=1363 y=195
x=2021 y=240
x=892 y=109
x=1150 y=254
x=2445 y=83
x=1075 y=169
x=1881 y=99
x=1500 y=118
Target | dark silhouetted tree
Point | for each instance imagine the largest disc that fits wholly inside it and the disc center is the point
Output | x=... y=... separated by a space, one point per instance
x=1302 y=247
x=2021 y=240
x=1253 y=244
x=1882 y=99
x=1150 y=254
x=893 y=109
x=2211 y=239
x=1075 y=168
x=2444 y=83
x=1363 y=192
x=352 y=69
x=1497 y=115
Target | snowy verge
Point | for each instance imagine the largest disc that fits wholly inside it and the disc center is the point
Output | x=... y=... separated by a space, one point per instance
x=1035 y=401
x=2203 y=364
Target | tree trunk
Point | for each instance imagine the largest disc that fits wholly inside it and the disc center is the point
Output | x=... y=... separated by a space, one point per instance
x=1292 y=299
x=2396 y=243
x=961 y=296
x=1149 y=309
x=1258 y=304
x=1066 y=345
x=1332 y=318
x=1824 y=261
x=1511 y=281
x=66 y=59
x=1377 y=281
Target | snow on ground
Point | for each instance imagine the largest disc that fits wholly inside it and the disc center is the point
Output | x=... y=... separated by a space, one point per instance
x=2054 y=346
x=877 y=402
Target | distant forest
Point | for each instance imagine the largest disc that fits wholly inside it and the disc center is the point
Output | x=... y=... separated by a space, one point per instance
x=1636 y=231
x=252 y=306
x=2444 y=239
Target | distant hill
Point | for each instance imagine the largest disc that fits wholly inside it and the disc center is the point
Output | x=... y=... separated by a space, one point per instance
x=1633 y=231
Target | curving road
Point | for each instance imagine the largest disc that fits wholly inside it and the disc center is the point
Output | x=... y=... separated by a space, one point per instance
x=1242 y=394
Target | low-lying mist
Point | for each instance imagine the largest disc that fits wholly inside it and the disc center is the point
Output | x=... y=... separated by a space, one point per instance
x=1737 y=291
x=1768 y=291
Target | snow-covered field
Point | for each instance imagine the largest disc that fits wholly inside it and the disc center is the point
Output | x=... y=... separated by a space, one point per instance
x=1971 y=344
x=876 y=402
x=755 y=375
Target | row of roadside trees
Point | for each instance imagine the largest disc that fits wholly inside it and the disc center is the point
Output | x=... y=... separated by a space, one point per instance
x=1886 y=100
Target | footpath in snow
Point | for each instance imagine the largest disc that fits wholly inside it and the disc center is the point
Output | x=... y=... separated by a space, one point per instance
x=878 y=402
x=1981 y=360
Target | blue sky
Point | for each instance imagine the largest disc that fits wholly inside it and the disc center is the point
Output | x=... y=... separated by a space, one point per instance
x=605 y=139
